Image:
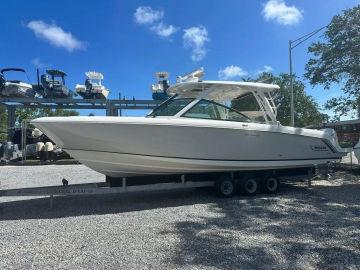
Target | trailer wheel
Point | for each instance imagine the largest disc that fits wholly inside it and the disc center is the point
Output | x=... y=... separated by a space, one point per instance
x=270 y=185
x=249 y=186
x=225 y=187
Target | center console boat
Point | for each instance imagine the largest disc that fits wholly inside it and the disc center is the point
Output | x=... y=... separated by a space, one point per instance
x=93 y=87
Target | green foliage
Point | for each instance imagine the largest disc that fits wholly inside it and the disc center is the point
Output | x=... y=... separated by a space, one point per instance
x=58 y=112
x=26 y=113
x=307 y=111
x=22 y=114
x=337 y=60
x=3 y=123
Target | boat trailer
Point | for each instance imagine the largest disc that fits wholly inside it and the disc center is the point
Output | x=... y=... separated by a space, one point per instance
x=100 y=188
x=224 y=184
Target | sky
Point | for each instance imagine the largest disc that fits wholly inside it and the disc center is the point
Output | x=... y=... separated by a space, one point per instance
x=128 y=41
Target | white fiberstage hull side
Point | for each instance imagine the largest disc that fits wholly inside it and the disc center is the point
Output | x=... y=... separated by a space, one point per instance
x=138 y=146
x=100 y=90
x=122 y=165
x=16 y=89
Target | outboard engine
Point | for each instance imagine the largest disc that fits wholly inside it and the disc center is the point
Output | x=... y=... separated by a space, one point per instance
x=2 y=150
x=88 y=85
x=2 y=81
x=89 y=88
x=40 y=149
x=45 y=82
x=11 y=151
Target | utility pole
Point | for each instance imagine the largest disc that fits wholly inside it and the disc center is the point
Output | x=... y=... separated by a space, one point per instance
x=292 y=111
x=292 y=45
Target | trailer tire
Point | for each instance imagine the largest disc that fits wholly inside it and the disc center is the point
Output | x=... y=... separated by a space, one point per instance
x=249 y=186
x=270 y=185
x=225 y=187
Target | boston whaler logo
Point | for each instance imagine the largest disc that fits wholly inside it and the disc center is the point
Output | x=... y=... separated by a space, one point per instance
x=319 y=148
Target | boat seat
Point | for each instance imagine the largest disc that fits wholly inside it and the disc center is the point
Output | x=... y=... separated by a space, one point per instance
x=55 y=83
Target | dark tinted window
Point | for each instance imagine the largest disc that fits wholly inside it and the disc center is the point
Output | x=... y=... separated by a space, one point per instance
x=171 y=108
x=206 y=109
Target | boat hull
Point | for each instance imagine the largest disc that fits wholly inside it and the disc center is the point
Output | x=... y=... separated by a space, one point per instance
x=94 y=93
x=126 y=165
x=121 y=147
x=16 y=90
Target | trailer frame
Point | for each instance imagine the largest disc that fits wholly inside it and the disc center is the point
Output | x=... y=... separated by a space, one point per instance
x=183 y=181
x=99 y=188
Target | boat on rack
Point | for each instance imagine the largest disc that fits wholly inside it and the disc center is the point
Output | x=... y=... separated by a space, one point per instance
x=93 y=88
x=206 y=126
x=14 y=88
x=53 y=85
x=159 y=89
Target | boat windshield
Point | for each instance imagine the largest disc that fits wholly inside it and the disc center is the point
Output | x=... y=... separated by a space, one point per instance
x=95 y=82
x=206 y=109
x=15 y=76
x=171 y=107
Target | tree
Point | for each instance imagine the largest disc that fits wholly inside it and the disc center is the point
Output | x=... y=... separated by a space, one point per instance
x=58 y=112
x=337 y=60
x=3 y=124
x=307 y=111
x=29 y=113
x=26 y=113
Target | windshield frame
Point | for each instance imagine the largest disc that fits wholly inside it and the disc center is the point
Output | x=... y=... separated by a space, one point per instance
x=193 y=103
x=218 y=104
x=154 y=113
x=162 y=104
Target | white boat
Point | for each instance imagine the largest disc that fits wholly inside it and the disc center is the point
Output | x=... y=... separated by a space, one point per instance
x=53 y=84
x=93 y=88
x=159 y=89
x=356 y=150
x=14 y=88
x=194 y=132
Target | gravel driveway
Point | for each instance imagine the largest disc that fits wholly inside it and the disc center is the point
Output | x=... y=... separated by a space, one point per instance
x=300 y=228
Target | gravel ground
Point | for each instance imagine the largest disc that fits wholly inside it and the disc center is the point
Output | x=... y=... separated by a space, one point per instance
x=300 y=228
